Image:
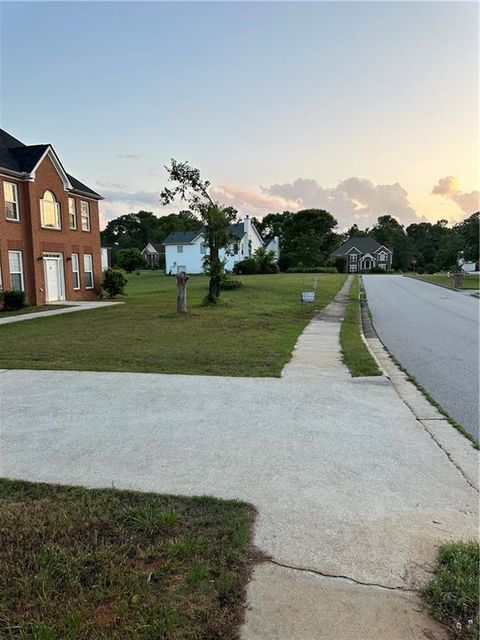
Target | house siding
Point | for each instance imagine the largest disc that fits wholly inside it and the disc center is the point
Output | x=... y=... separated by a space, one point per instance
x=28 y=236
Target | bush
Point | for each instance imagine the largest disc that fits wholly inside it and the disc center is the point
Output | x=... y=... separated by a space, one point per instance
x=271 y=268
x=377 y=270
x=340 y=264
x=229 y=285
x=129 y=259
x=13 y=300
x=248 y=266
x=302 y=269
x=452 y=596
x=114 y=282
x=431 y=267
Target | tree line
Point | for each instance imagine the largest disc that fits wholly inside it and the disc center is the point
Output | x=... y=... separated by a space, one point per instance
x=308 y=237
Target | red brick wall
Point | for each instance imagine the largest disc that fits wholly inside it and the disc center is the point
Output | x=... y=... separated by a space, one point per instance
x=29 y=237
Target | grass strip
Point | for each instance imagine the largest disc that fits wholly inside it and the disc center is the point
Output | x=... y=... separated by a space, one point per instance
x=452 y=596
x=81 y=564
x=355 y=353
x=470 y=282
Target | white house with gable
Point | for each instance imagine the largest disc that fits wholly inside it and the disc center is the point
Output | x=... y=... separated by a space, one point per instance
x=185 y=250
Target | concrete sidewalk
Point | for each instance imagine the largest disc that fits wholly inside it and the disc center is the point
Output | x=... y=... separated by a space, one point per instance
x=354 y=495
x=69 y=307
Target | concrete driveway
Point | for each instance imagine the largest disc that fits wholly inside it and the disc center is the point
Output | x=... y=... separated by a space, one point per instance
x=347 y=482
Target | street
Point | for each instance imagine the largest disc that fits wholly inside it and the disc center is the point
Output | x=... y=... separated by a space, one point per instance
x=434 y=334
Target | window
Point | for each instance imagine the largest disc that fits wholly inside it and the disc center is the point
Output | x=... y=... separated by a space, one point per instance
x=203 y=248
x=352 y=268
x=382 y=256
x=353 y=257
x=179 y=248
x=50 y=211
x=15 y=263
x=75 y=271
x=85 y=213
x=10 y=193
x=72 y=213
x=88 y=269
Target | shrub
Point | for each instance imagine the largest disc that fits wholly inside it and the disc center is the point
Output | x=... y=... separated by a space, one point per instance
x=114 y=282
x=431 y=267
x=272 y=268
x=452 y=596
x=377 y=270
x=302 y=269
x=13 y=300
x=229 y=285
x=129 y=259
x=247 y=266
x=340 y=264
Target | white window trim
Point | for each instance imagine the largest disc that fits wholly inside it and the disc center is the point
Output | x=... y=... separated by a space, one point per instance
x=76 y=259
x=22 y=280
x=85 y=270
x=353 y=257
x=85 y=228
x=70 y=200
x=15 y=201
x=179 y=248
x=57 y=212
x=353 y=268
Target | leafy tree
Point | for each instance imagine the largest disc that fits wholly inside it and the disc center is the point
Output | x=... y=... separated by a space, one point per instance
x=468 y=233
x=308 y=237
x=390 y=232
x=189 y=187
x=265 y=259
x=129 y=259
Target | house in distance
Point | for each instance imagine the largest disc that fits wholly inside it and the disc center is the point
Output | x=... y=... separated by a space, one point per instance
x=364 y=253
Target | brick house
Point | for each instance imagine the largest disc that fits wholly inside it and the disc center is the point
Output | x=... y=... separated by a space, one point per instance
x=363 y=253
x=49 y=226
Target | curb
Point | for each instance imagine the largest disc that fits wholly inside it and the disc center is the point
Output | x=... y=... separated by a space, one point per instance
x=436 y=284
x=456 y=445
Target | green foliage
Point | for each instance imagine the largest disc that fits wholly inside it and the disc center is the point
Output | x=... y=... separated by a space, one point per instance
x=13 y=299
x=452 y=595
x=340 y=264
x=431 y=268
x=248 y=266
x=265 y=259
x=114 y=282
x=229 y=285
x=129 y=259
x=303 y=269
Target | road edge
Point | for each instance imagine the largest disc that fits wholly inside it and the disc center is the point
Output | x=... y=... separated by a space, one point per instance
x=459 y=447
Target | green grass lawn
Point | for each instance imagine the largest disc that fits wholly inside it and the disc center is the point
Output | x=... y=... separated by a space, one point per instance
x=250 y=333
x=28 y=309
x=354 y=351
x=452 y=596
x=469 y=282
x=82 y=564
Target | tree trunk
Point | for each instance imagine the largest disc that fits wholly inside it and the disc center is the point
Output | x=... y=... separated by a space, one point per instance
x=182 y=292
x=214 y=284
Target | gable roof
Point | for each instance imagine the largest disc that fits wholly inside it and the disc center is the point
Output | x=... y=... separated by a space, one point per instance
x=365 y=244
x=158 y=246
x=21 y=158
x=236 y=230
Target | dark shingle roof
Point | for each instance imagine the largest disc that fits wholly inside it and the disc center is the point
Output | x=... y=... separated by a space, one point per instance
x=22 y=158
x=182 y=237
x=365 y=244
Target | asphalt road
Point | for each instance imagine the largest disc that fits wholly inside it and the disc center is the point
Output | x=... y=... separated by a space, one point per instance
x=434 y=334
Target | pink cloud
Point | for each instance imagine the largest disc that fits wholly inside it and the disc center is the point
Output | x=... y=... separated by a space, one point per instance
x=469 y=202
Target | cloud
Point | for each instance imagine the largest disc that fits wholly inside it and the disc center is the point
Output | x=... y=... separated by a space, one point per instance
x=150 y=198
x=118 y=202
x=448 y=188
x=128 y=156
x=110 y=185
x=354 y=199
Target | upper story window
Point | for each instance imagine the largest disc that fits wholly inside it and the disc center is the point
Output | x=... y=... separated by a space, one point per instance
x=382 y=256
x=203 y=248
x=85 y=214
x=179 y=248
x=10 y=193
x=50 y=211
x=353 y=257
x=72 y=213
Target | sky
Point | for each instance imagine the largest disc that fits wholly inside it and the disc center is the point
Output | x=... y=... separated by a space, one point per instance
x=359 y=108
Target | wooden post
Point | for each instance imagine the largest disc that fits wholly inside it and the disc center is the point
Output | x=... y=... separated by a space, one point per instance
x=182 y=292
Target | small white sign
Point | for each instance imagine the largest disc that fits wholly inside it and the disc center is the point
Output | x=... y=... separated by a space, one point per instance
x=308 y=296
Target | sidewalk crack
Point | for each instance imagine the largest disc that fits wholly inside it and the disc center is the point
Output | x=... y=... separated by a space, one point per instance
x=342 y=577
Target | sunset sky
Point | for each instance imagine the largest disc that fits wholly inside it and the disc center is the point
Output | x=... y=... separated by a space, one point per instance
x=358 y=108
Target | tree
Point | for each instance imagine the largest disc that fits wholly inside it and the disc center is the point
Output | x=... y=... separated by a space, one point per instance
x=114 y=282
x=468 y=233
x=389 y=232
x=265 y=259
x=308 y=238
x=189 y=187
x=129 y=259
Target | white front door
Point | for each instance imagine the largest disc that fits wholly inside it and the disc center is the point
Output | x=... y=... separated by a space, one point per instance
x=54 y=280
